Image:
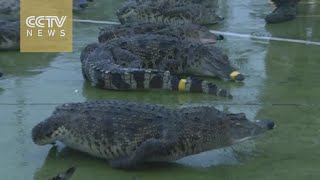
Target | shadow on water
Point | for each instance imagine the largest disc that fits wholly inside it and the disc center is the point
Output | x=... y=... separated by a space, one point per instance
x=290 y=67
x=149 y=96
x=60 y=158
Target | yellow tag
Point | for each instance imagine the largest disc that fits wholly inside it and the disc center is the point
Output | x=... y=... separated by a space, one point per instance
x=234 y=74
x=182 y=85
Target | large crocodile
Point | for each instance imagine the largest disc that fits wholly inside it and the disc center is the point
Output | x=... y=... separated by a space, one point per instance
x=166 y=12
x=130 y=134
x=154 y=61
x=191 y=32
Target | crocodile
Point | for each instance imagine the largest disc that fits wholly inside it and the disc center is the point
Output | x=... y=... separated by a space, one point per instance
x=129 y=134
x=10 y=22
x=155 y=61
x=191 y=32
x=167 y=13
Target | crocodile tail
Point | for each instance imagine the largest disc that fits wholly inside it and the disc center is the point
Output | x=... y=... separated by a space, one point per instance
x=131 y=79
x=127 y=78
x=192 y=84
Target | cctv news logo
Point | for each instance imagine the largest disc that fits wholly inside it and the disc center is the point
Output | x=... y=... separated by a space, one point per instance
x=51 y=26
x=46 y=25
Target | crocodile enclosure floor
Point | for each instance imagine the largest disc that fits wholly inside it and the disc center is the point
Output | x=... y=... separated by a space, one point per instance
x=282 y=83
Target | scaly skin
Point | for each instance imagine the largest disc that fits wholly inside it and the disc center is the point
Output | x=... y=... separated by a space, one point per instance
x=191 y=32
x=165 y=13
x=9 y=9
x=207 y=3
x=9 y=35
x=154 y=61
x=130 y=134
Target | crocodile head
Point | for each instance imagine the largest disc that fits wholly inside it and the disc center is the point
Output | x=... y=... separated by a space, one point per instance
x=208 y=60
x=128 y=12
x=79 y=5
x=195 y=33
x=216 y=129
x=242 y=129
x=48 y=131
x=207 y=37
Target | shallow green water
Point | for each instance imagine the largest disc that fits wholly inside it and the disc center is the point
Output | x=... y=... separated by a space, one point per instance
x=283 y=83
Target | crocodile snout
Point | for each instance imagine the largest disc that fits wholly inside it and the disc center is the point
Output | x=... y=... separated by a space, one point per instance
x=239 y=77
x=266 y=123
x=236 y=76
x=270 y=125
x=220 y=37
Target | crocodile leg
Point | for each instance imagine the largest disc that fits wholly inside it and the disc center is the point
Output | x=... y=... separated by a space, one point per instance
x=126 y=59
x=171 y=65
x=149 y=149
x=65 y=175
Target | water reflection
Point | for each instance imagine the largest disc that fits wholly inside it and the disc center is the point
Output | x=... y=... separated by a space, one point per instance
x=60 y=158
x=24 y=64
x=151 y=96
x=293 y=83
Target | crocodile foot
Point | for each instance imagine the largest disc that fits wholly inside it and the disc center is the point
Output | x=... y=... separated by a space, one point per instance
x=283 y=12
x=65 y=175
